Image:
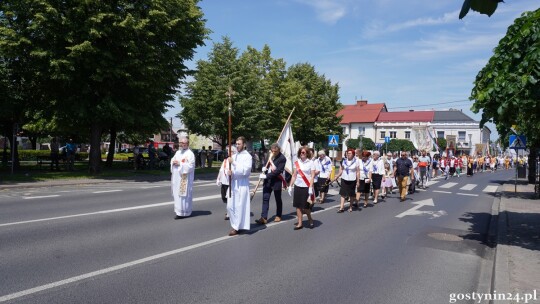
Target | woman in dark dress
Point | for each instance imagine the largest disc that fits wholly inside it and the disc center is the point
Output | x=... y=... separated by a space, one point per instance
x=302 y=180
x=349 y=173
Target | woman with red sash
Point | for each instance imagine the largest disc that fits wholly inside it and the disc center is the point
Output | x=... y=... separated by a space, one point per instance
x=302 y=179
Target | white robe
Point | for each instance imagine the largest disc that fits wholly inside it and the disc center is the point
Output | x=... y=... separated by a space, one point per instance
x=238 y=206
x=186 y=167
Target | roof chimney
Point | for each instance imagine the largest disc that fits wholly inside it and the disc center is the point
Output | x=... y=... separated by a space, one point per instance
x=361 y=102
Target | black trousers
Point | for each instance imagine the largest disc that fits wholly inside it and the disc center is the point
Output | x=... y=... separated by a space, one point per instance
x=267 y=192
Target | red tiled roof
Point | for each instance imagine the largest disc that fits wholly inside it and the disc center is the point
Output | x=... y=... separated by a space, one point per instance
x=408 y=116
x=361 y=112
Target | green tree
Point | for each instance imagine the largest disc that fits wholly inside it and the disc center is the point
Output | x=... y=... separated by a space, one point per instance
x=400 y=145
x=367 y=143
x=204 y=103
x=102 y=65
x=441 y=142
x=265 y=94
x=316 y=102
x=507 y=90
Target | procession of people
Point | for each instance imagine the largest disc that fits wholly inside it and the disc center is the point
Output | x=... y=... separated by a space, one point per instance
x=363 y=178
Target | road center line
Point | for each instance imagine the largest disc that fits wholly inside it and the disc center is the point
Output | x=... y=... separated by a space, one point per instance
x=108 y=191
x=44 y=196
x=468 y=194
x=137 y=262
x=108 y=211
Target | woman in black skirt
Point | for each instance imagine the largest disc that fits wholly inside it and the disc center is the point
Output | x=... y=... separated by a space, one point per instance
x=349 y=173
x=364 y=179
x=302 y=179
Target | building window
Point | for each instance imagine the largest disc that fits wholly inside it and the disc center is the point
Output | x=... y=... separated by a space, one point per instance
x=461 y=136
x=383 y=134
x=408 y=134
x=344 y=130
x=362 y=131
x=393 y=134
x=440 y=134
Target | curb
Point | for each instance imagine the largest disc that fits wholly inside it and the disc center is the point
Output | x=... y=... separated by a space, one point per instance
x=501 y=279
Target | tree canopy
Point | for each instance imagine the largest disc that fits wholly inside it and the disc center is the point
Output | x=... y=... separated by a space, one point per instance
x=367 y=143
x=266 y=91
x=98 y=65
x=400 y=145
x=507 y=90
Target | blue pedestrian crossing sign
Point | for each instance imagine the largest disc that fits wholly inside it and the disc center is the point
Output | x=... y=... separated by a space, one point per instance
x=333 y=140
x=518 y=142
x=387 y=139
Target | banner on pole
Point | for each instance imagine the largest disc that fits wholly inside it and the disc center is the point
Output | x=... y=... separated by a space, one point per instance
x=288 y=147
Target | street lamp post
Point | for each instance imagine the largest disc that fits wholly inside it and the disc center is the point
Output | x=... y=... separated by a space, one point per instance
x=470 y=143
x=360 y=143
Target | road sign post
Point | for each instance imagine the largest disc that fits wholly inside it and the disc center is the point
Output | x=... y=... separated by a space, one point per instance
x=333 y=141
x=517 y=142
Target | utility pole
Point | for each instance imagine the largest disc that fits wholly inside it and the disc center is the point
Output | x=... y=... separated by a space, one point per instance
x=170 y=131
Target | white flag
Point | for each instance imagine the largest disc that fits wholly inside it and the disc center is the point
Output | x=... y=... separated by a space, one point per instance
x=288 y=147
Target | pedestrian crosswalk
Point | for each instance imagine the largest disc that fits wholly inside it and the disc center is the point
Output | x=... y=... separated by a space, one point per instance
x=468 y=187
x=439 y=183
x=447 y=185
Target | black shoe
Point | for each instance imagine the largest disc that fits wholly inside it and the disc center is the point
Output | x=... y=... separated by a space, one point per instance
x=178 y=217
x=298 y=228
x=261 y=221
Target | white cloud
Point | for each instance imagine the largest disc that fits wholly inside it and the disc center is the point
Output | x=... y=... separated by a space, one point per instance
x=443 y=45
x=375 y=28
x=328 y=11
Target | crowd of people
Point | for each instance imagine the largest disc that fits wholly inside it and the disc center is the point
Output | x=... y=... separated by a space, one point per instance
x=362 y=175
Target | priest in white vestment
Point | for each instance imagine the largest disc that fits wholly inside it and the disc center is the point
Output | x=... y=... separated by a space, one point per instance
x=183 y=173
x=238 y=206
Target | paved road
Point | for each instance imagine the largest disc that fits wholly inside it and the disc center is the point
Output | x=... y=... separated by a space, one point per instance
x=118 y=243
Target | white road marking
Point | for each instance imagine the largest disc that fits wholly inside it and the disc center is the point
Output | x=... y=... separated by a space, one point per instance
x=490 y=188
x=150 y=187
x=468 y=194
x=431 y=182
x=44 y=196
x=108 y=191
x=107 y=270
x=414 y=210
x=448 y=185
x=108 y=211
x=439 y=191
x=468 y=187
x=136 y=262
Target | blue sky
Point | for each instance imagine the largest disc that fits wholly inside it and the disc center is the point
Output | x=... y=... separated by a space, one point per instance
x=408 y=54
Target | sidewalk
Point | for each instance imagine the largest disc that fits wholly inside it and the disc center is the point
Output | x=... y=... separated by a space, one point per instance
x=80 y=181
x=517 y=257
x=98 y=180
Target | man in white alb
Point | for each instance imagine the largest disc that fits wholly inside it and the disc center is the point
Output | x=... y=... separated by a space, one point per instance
x=238 y=206
x=182 y=175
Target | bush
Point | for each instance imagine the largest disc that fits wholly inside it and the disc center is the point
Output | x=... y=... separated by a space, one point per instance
x=30 y=155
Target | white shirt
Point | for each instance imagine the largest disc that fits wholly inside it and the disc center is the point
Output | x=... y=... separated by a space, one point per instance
x=378 y=166
x=324 y=166
x=223 y=177
x=350 y=167
x=365 y=168
x=306 y=167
